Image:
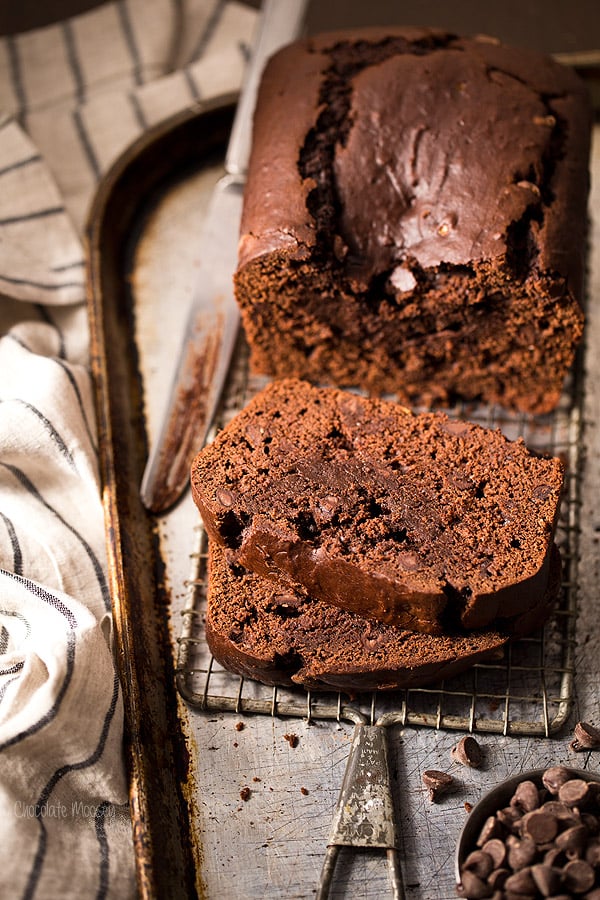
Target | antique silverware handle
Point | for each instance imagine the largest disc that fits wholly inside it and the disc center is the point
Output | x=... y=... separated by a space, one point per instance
x=213 y=320
x=365 y=815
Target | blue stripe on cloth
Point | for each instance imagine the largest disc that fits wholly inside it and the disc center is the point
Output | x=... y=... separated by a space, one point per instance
x=68 y=373
x=17 y=562
x=38 y=862
x=20 y=164
x=44 y=286
x=209 y=30
x=31 y=489
x=32 y=216
x=103 y=848
x=53 y=434
x=130 y=41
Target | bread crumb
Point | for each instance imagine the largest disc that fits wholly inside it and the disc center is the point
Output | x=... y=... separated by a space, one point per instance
x=239 y=726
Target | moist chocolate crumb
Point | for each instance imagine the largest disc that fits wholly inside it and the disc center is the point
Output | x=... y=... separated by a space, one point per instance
x=292 y=739
x=239 y=726
x=245 y=793
x=304 y=791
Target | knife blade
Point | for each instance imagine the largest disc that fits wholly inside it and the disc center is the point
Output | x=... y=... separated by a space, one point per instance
x=213 y=320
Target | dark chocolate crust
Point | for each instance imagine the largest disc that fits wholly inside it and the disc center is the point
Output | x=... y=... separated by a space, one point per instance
x=262 y=631
x=415 y=217
x=416 y=520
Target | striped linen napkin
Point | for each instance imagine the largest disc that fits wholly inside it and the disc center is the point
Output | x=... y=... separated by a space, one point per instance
x=73 y=95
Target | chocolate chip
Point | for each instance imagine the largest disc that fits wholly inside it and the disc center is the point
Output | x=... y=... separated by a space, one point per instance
x=591 y=822
x=496 y=849
x=480 y=862
x=540 y=825
x=225 y=498
x=573 y=840
x=547 y=879
x=521 y=882
x=510 y=817
x=592 y=853
x=491 y=829
x=578 y=876
x=467 y=752
x=542 y=492
x=472 y=886
x=497 y=879
x=521 y=854
x=563 y=813
x=437 y=783
x=554 y=778
x=554 y=857
x=585 y=737
x=328 y=506
x=574 y=792
x=526 y=796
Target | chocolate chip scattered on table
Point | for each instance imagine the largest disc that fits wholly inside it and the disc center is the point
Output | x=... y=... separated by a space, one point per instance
x=585 y=737
x=467 y=752
x=437 y=783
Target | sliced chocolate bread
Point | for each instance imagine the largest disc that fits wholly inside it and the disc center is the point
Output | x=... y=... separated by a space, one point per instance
x=419 y=521
x=262 y=631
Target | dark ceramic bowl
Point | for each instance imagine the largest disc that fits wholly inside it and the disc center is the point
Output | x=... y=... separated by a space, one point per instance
x=496 y=799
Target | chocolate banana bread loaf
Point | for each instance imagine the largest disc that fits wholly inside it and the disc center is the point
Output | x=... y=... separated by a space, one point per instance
x=262 y=631
x=415 y=218
x=416 y=520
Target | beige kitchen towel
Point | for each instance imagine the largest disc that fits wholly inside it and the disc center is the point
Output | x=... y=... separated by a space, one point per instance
x=73 y=95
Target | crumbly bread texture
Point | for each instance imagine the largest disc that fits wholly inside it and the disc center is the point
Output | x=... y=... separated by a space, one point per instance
x=417 y=520
x=415 y=218
x=262 y=631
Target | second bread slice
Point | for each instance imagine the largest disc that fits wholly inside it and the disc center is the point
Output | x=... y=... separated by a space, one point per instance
x=416 y=520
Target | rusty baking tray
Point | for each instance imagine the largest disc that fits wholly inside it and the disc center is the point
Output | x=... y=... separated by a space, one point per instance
x=138 y=564
x=137 y=311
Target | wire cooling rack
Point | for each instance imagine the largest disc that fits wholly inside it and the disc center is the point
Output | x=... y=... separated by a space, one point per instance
x=528 y=692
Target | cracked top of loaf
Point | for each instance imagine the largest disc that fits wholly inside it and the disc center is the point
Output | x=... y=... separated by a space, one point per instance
x=397 y=149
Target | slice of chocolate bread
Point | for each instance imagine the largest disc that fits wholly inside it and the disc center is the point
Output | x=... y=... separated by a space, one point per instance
x=262 y=631
x=415 y=217
x=416 y=520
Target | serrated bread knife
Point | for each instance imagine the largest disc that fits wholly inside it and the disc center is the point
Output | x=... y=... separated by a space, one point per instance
x=213 y=320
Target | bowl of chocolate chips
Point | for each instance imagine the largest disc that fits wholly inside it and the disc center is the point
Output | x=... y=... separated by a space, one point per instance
x=534 y=835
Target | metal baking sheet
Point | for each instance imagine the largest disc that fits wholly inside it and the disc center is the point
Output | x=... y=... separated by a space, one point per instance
x=142 y=256
x=148 y=559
